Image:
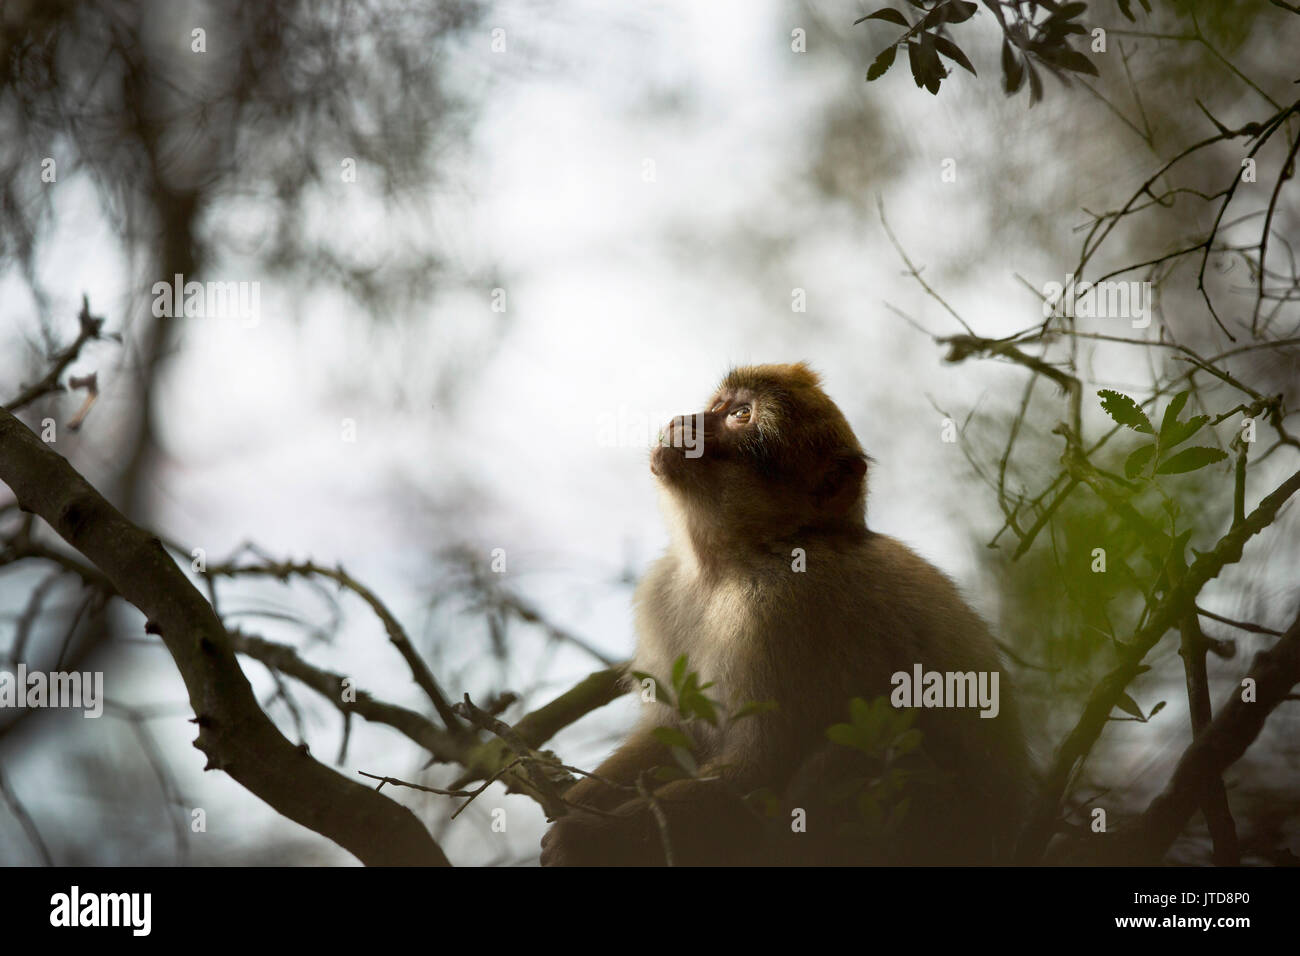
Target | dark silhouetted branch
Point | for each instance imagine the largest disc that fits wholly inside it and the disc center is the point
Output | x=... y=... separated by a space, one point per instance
x=234 y=733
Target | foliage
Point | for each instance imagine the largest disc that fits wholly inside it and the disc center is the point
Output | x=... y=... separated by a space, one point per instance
x=885 y=737
x=1154 y=458
x=1035 y=34
x=687 y=697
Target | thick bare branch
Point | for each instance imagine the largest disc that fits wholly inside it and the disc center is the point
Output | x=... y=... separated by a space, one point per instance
x=233 y=731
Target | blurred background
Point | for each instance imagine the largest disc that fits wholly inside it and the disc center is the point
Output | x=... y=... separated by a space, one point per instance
x=497 y=245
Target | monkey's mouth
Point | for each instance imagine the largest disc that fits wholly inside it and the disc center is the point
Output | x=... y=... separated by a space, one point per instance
x=666 y=459
x=657 y=457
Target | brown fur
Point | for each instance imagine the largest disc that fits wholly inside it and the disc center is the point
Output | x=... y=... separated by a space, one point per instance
x=866 y=606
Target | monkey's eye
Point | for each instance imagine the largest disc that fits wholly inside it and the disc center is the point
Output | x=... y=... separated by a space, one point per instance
x=717 y=406
x=741 y=413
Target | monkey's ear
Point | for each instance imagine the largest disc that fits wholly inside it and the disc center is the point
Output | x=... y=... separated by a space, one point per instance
x=841 y=483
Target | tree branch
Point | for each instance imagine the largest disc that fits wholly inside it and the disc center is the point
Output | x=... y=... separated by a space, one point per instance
x=90 y=329
x=1179 y=600
x=234 y=733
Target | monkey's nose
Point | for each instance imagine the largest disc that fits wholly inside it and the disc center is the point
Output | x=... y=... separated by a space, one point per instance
x=678 y=430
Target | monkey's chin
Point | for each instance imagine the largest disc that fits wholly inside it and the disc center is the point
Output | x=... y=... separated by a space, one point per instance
x=666 y=462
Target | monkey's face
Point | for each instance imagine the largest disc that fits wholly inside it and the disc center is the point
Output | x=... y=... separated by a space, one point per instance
x=727 y=433
x=769 y=455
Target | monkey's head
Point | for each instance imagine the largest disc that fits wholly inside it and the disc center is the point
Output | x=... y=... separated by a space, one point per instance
x=770 y=455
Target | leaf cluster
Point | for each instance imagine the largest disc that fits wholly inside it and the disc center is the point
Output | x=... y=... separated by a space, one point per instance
x=1155 y=458
x=1036 y=34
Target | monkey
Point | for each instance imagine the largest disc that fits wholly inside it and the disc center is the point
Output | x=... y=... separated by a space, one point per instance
x=774 y=588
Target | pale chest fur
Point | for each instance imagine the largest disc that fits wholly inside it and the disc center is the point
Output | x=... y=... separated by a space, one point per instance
x=715 y=626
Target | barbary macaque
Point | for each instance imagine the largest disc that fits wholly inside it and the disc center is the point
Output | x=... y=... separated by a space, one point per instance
x=774 y=588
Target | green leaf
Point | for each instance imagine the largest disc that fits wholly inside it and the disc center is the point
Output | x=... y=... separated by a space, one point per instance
x=1136 y=463
x=1013 y=71
x=679 y=671
x=1035 y=84
x=1073 y=60
x=870 y=810
x=1125 y=411
x=685 y=759
x=755 y=707
x=661 y=693
x=877 y=719
x=922 y=57
x=1181 y=431
x=898 y=814
x=907 y=742
x=959 y=11
x=1129 y=706
x=881 y=63
x=885 y=13
x=1156 y=709
x=1190 y=459
x=953 y=52
x=695 y=704
x=1175 y=409
x=672 y=737
x=846 y=735
x=859 y=712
